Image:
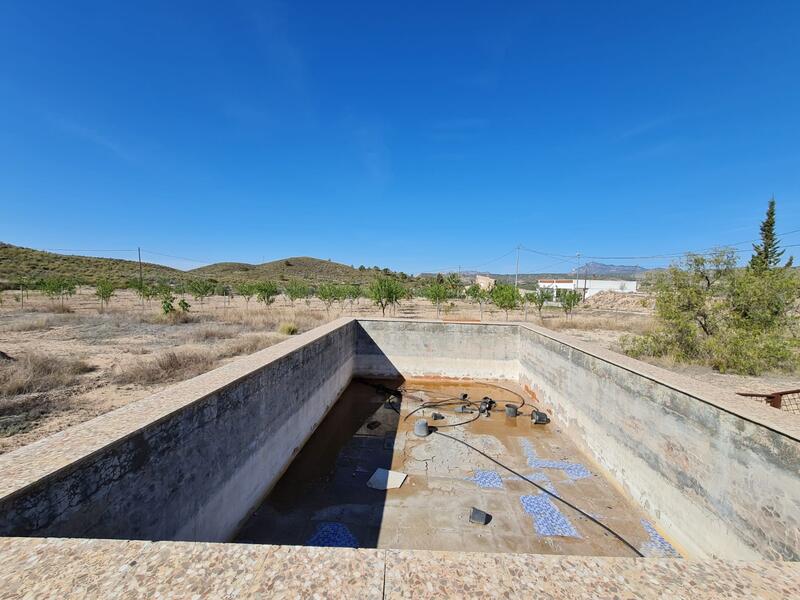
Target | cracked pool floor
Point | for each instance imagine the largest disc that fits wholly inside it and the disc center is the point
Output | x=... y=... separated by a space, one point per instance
x=323 y=499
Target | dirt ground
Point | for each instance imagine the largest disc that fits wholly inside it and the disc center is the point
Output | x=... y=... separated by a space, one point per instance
x=73 y=365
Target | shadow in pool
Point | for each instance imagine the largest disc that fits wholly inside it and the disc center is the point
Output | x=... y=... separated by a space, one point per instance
x=322 y=498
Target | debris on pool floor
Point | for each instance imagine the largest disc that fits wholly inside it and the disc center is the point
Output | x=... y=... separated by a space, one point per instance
x=323 y=498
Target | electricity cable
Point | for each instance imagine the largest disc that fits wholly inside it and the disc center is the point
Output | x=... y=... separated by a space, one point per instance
x=435 y=429
x=565 y=502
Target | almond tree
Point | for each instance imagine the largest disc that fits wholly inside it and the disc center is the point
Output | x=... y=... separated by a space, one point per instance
x=266 y=291
x=104 y=290
x=437 y=293
x=477 y=294
x=246 y=290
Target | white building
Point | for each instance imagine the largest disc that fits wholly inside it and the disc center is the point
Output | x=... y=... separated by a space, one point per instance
x=485 y=283
x=590 y=287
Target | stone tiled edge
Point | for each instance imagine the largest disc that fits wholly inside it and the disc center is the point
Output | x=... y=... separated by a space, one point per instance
x=780 y=422
x=30 y=464
x=75 y=568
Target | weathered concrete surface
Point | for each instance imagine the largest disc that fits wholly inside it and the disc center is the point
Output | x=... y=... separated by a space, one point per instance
x=434 y=349
x=721 y=478
x=70 y=568
x=188 y=463
x=721 y=484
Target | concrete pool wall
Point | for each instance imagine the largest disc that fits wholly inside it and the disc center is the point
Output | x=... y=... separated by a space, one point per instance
x=187 y=463
x=720 y=475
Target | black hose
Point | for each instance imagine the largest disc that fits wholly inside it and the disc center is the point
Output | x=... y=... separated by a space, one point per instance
x=572 y=506
x=384 y=389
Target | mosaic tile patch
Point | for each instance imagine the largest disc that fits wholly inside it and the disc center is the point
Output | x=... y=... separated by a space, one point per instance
x=547 y=519
x=333 y=535
x=572 y=470
x=657 y=545
x=487 y=479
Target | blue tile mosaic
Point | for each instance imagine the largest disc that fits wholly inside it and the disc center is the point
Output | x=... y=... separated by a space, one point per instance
x=572 y=470
x=657 y=545
x=547 y=519
x=487 y=479
x=334 y=535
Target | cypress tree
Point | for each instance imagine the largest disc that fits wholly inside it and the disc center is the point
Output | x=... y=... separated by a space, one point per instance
x=767 y=254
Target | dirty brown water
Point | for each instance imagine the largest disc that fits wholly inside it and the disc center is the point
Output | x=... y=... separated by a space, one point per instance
x=323 y=500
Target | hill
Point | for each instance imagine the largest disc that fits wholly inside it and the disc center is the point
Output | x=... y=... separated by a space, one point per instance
x=25 y=263
x=303 y=268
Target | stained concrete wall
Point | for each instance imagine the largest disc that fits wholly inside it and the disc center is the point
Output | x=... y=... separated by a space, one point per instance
x=190 y=462
x=722 y=484
x=436 y=349
x=192 y=474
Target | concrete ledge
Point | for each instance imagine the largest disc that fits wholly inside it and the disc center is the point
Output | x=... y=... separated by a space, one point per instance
x=37 y=461
x=70 y=568
x=781 y=422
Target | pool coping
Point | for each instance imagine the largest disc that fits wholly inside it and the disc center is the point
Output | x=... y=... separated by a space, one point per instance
x=80 y=568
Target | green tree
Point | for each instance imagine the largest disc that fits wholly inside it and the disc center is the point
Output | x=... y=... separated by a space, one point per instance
x=328 y=293
x=266 y=291
x=57 y=287
x=569 y=300
x=767 y=255
x=733 y=319
x=184 y=305
x=454 y=285
x=167 y=300
x=295 y=290
x=478 y=295
x=385 y=292
x=505 y=297
x=104 y=290
x=437 y=293
x=539 y=298
x=246 y=290
x=201 y=288
x=353 y=293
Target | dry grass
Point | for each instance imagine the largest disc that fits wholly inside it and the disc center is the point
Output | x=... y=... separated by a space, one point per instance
x=37 y=372
x=37 y=323
x=247 y=344
x=185 y=363
x=584 y=322
x=52 y=307
x=213 y=332
x=173 y=318
x=174 y=365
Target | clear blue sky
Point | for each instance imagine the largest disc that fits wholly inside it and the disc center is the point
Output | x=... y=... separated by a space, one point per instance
x=413 y=135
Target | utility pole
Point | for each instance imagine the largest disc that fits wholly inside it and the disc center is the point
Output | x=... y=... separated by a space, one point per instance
x=141 y=279
x=516 y=273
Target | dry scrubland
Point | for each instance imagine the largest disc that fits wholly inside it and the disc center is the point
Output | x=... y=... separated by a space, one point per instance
x=73 y=365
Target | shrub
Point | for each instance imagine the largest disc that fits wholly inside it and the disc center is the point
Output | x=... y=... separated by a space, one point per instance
x=38 y=372
x=168 y=366
x=288 y=329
